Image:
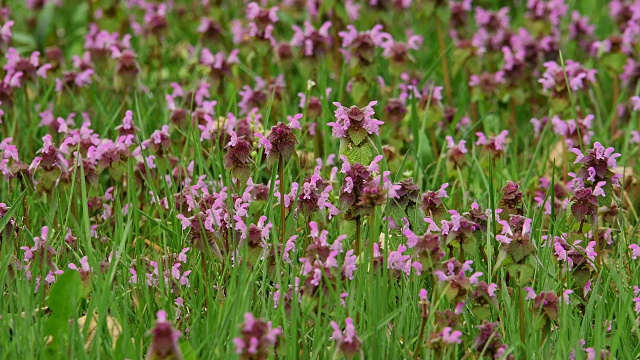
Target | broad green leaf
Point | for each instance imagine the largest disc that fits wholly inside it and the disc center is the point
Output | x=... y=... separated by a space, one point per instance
x=357 y=136
x=521 y=274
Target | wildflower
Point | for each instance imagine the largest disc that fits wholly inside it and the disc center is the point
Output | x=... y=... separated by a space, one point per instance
x=401 y=262
x=516 y=237
x=432 y=201
x=361 y=192
x=545 y=302
x=596 y=164
x=320 y=263
x=165 y=340
x=484 y=294
x=84 y=269
x=127 y=68
x=354 y=122
x=127 y=127
x=359 y=47
x=635 y=251
x=29 y=67
x=257 y=96
x=486 y=84
x=574 y=254
x=315 y=195
x=210 y=29
x=396 y=110
x=280 y=143
x=581 y=30
x=219 y=65
x=348 y=342
x=511 y=200
x=577 y=76
x=489 y=341
x=541 y=10
x=427 y=248
x=453 y=278
x=575 y=132
x=41 y=251
x=446 y=337
x=237 y=157
x=257 y=338
x=312 y=42
x=459 y=231
x=457 y=152
x=398 y=52
x=494 y=144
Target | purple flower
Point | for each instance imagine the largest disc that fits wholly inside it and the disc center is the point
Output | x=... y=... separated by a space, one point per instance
x=281 y=142
x=574 y=131
x=361 y=46
x=453 y=278
x=545 y=301
x=457 y=152
x=354 y=119
x=489 y=341
x=312 y=42
x=347 y=341
x=165 y=340
x=487 y=83
x=257 y=338
x=635 y=251
x=577 y=76
x=494 y=144
x=551 y=10
x=237 y=157
x=398 y=52
x=574 y=254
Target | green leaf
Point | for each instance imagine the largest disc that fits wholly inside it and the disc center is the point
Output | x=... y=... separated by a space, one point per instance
x=5 y=219
x=481 y=313
x=187 y=351
x=63 y=300
x=360 y=154
x=357 y=136
x=348 y=227
x=65 y=294
x=503 y=260
x=358 y=90
x=44 y=24
x=521 y=274
x=416 y=219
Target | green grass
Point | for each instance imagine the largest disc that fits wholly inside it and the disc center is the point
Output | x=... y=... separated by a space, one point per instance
x=383 y=303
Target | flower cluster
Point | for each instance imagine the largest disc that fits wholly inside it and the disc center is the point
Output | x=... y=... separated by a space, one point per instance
x=257 y=338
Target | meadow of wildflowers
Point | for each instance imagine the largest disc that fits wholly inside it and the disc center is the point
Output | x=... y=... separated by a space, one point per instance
x=320 y=179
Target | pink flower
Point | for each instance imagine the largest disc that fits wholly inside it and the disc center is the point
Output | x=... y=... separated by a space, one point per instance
x=451 y=337
x=165 y=340
x=354 y=119
x=347 y=341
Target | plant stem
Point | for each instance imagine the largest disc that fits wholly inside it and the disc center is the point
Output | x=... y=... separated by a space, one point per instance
x=282 y=207
x=27 y=106
x=416 y=352
x=443 y=58
x=616 y=95
x=522 y=324
x=357 y=245
x=372 y=231
x=596 y=237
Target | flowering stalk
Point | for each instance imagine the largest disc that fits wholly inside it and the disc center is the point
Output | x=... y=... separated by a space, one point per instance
x=521 y=317
x=443 y=59
x=282 y=206
x=424 y=315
